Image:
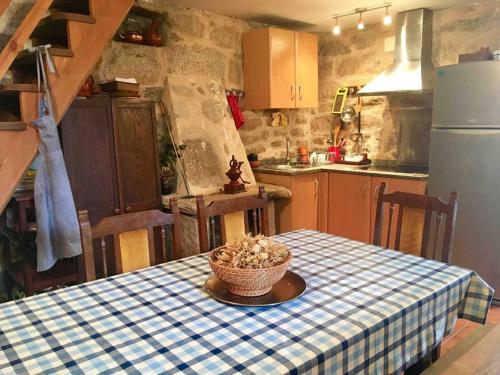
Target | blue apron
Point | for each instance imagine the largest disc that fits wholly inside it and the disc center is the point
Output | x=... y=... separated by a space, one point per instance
x=58 y=231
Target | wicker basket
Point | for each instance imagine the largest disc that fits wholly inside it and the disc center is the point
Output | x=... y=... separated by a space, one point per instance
x=249 y=282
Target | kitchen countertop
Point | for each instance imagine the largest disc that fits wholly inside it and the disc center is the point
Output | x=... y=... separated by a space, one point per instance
x=370 y=170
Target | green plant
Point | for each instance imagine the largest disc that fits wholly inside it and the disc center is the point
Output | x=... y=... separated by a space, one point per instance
x=167 y=155
x=252 y=157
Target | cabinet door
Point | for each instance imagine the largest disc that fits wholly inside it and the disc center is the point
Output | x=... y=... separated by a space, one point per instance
x=349 y=206
x=282 y=68
x=137 y=158
x=306 y=70
x=89 y=154
x=392 y=185
x=256 y=69
x=305 y=194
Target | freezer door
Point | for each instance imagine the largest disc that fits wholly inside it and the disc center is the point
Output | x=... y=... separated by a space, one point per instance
x=467 y=96
x=468 y=162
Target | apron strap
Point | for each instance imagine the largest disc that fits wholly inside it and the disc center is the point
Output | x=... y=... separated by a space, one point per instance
x=44 y=102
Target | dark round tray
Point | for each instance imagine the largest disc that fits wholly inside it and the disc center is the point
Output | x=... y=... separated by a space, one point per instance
x=290 y=287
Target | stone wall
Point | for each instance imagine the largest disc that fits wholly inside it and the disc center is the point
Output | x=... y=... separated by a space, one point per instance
x=201 y=56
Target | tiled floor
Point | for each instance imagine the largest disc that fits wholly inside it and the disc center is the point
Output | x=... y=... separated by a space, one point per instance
x=465 y=328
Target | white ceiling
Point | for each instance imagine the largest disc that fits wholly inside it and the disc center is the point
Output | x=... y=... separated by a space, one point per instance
x=312 y=15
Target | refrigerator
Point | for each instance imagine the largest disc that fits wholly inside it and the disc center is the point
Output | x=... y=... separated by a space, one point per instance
x=465 y=157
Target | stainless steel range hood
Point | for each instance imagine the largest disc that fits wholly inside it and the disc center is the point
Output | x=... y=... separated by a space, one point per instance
x=412 y=71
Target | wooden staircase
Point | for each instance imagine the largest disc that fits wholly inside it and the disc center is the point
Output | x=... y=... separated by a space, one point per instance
x=78 y=31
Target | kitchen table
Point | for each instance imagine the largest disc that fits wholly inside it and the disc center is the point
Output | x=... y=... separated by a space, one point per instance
x=365 y=310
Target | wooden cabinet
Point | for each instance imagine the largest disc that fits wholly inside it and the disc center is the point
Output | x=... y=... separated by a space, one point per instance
x=89 y=152
x=137 y=157
x=339 y=203
x=109 y=148
x=280 y=69
x=306 y=70
x=110 y=152
x=349 y=206
x=352 y=203
x=301 y=211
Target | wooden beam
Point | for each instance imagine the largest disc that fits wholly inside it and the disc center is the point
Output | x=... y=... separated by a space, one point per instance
x=22 y=34
x=3 y=5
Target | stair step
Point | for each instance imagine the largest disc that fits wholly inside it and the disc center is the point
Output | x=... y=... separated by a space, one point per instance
x=66 y=16
x=72 y=6
x=54 y=30
x=27 y=58
x=13 y=125
x=15 y=88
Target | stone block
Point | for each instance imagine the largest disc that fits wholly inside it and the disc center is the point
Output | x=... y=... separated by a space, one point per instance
x=195 y=59
x=130 y=60
x=185 y=23
x=213 y=110
x=227 y=37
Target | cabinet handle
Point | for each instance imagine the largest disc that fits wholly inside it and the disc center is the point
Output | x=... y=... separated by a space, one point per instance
x=300 y=92
x=117 y=211
x=292 y=94
x=316 y=187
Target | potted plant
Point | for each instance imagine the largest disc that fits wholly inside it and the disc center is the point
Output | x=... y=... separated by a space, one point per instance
x=253 y=159
x=168 y=161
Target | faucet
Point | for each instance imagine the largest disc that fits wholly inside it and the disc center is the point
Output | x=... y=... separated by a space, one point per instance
x=287 y=149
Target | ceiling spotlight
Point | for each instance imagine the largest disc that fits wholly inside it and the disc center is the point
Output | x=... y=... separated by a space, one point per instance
x=361 y=25
x=387 y=17
x=336 y=29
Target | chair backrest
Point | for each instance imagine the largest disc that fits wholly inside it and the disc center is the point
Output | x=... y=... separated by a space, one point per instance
x=248 y=214
x=419 y=211
x=131 y=233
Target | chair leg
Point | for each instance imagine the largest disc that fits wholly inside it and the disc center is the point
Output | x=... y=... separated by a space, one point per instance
x=436 y=353
x=9 y=285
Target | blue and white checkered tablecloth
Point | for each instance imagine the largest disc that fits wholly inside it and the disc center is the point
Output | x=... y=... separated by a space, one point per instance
x=366 y=310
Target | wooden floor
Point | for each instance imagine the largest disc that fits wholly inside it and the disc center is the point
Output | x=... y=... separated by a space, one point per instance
x=471 y=349
x=464 y=329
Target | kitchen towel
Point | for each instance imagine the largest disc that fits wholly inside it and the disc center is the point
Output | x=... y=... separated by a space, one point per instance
x=234 y=104
x=58 y=231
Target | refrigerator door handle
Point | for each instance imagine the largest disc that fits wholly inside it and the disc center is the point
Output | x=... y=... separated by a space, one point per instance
x=467 y=132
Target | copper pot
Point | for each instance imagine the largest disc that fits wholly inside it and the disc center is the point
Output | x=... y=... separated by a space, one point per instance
x=132 y=37
x=153 y=36
x=86 y=89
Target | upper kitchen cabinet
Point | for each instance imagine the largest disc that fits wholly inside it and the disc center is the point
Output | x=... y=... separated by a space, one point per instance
x=306 y=70
x=280 y=69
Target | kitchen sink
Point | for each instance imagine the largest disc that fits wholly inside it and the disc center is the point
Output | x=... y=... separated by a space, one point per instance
x=285 y=167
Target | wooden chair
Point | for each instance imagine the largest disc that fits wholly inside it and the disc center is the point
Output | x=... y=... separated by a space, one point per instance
x=133 y=239
x=234 y=216
x=416 y=213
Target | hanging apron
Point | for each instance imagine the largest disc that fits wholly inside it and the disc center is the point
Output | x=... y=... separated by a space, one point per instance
x=58 y=231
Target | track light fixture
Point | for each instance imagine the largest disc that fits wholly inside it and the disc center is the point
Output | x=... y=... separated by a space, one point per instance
x=387 y=20
x=387 y=17
x=336 y=29
x=361 y=25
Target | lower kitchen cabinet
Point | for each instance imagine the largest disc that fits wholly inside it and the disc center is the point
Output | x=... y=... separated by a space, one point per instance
x=349 y=206
x=300 y=212
x=352 y=204
x=339 y=203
